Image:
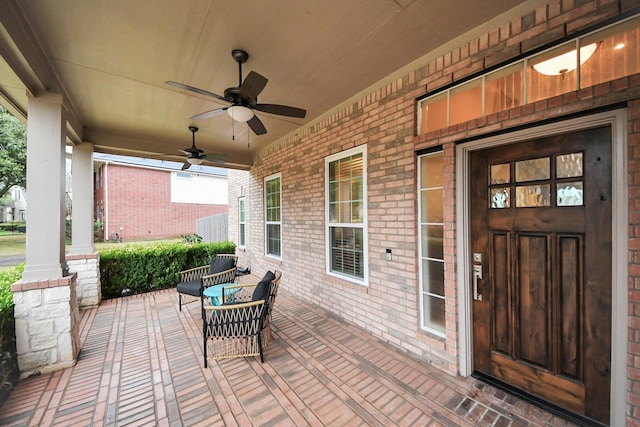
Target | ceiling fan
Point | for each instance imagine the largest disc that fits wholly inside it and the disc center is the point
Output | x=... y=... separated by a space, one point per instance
x=244 y=98
x=196 y=156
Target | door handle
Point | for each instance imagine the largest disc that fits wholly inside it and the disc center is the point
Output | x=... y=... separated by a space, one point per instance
x=477 y=275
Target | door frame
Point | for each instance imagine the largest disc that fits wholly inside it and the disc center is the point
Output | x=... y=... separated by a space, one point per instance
x=617 y=119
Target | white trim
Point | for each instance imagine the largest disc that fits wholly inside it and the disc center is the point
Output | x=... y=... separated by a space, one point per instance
x=264 y=206
x=619 y=260
x=361 y=149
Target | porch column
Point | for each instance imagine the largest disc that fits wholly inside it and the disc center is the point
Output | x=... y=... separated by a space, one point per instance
x=46 y=185
x=83 y=259
x=46 y=309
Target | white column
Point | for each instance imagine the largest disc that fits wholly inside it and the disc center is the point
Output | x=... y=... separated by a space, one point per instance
x=82 y=199
x=45 y=188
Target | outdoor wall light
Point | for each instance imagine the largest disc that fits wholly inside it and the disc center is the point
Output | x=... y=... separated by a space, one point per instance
x=562 y=64
x=240 y=113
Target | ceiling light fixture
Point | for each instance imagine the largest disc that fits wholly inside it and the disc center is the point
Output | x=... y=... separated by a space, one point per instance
x=194 y=160
x=240 y=113
x=567 y=62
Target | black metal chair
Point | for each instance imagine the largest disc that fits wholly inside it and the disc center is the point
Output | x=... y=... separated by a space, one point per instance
x=194 y=281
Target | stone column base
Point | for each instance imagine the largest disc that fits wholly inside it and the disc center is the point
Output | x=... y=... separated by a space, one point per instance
x=47 y=324
x=87 y=267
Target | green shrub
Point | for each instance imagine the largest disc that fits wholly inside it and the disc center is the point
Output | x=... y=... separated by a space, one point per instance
x=13 y=227
x=8 y=358
x=136 y=268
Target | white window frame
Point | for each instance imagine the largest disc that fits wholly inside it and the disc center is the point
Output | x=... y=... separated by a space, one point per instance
x=242 y=207
x=362 y=149
x=268 y=223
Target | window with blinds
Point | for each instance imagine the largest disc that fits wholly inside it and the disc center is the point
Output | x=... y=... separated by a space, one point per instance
x=273 y=215
x=346 y=214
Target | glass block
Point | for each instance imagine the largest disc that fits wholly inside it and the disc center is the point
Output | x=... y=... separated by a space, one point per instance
x=500 y=174
x=500 y=198
x=569 y=165
x=569 y=194
x=533 y=169
x=532 y=196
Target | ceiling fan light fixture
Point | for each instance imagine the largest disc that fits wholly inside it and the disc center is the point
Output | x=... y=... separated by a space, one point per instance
x=240 y=113
x=194 y=160
x=566 y=62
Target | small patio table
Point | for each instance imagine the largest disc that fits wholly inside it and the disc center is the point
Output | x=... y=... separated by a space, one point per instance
x=214 y=293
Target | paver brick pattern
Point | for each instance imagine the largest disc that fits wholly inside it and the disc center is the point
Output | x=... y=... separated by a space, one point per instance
x=141 y=365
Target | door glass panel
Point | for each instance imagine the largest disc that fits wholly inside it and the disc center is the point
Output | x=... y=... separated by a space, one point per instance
x=500 y=198
x=530 y=196
x=569 y=194
x=569 y=165
x=500 y=174
x=533 y=169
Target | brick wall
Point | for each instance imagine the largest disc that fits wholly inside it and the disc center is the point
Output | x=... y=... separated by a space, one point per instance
x=139 y=202
x=385 y=121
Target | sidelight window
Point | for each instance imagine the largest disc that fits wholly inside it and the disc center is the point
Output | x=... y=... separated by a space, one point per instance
x=431 y=207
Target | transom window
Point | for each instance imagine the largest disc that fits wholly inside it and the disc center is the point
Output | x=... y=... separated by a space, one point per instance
x=598 y=57
x=346 y=214
x=273 y=215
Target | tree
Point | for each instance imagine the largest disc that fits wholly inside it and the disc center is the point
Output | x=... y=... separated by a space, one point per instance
x=13 y=152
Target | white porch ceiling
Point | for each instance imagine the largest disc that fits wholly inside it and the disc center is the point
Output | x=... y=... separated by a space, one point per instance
x=110 y=59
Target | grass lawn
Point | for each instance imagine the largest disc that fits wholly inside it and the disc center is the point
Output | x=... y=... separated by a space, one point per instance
x=14 y=244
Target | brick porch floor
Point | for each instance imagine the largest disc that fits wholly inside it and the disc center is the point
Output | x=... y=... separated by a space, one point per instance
x=141 y=364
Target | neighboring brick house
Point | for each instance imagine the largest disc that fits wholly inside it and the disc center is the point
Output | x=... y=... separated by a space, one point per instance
x=488 y=228
x=150 y=199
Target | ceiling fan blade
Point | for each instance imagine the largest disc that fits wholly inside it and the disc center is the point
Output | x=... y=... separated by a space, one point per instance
x=186 y=165
x=256 y=125
x=252 y=85
x=214 y=156
x=209 y=113
x=195 y=89
x=281 y=110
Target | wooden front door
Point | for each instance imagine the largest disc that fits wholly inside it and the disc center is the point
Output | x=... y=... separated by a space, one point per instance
x=541 y=257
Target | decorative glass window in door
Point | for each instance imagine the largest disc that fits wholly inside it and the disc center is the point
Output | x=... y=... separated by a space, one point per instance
x=538 y=182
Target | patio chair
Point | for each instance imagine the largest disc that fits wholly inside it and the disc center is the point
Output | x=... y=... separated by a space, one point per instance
x=194 y=281
x=240 y=328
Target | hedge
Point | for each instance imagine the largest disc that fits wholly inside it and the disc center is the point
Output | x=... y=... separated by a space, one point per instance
x=9 y=373
x=137 y=268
